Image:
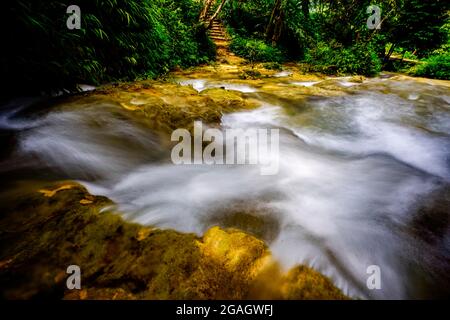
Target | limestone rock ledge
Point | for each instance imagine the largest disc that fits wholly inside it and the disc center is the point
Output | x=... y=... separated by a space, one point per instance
x=48 y=228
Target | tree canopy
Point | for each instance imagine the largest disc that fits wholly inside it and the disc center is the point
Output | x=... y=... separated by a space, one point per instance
x=125 y=40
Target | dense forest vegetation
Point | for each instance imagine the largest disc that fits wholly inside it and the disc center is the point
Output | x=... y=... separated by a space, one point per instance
x=334 y=37
x=125 y=40
x=118 y=40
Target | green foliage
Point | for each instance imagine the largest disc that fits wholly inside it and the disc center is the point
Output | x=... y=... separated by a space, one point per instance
x=417 y=25
x=410 y=55
x=255 y=50
x=437 y=66
x=358 y=59
x=252 y=74
x=445 y=47
x=250 y=19
x=118 y=40
x=124 y=40
x=342 y=21
x=273 y=66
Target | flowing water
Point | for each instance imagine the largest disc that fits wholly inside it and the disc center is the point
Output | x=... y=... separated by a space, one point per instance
x=363 y=180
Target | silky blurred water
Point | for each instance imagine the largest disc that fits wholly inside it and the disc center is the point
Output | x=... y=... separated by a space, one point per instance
x=360 y=176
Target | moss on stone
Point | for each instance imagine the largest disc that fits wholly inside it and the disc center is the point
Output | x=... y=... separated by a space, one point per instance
x=303 y=283
x=170 y=106
x=48 y=228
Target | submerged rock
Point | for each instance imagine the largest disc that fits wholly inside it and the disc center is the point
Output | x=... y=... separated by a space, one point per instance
x=248 y=216
x=171 y=106
x=356 y=79
x=161 y=106
x=48 y=228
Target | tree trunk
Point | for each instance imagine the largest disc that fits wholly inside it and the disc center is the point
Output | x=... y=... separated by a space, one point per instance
x=403 y=55
x=210 y=21
x=274 y=22
x=208 y=4
x=388 y=56
x=278 y=28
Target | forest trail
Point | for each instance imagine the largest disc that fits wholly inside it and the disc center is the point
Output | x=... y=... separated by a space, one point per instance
x=221 y=39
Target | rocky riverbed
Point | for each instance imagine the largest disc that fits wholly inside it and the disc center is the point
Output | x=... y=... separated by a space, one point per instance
x=363 y=181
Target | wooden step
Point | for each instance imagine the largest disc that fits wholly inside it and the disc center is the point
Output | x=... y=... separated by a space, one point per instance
x=219 y=40
x=218 y=34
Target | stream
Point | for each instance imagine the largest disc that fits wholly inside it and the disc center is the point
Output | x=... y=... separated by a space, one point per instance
x=364 y=177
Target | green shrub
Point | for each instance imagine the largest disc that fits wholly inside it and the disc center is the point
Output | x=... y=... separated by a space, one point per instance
x=273 y=66
x=255 y=50
x=251 y=17
x=118 y=40
x=358 y=59
x=437 y=66
x=250 y=74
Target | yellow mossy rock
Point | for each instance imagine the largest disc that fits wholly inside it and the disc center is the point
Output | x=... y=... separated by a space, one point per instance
x=228 y=245
x=51 y=193
x=357 y=79
x=235 y=250
x=303 y=283
x=170 y=106
x=162 y=106
x=122 y=260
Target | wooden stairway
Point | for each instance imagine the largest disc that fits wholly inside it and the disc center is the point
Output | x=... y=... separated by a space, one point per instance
x=217 y=32
x=219 y=36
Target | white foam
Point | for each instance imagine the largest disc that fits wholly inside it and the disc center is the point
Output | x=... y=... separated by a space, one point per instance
x=197 y=84
x=201 y=85
x=283 y=74
x=305 y=83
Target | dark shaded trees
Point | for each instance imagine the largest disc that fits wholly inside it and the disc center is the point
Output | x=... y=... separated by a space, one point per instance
x=418 y=26
x=118 y=40
x=275 y=25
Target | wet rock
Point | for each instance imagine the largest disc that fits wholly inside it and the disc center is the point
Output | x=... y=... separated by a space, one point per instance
x=249 y=216
x=165 y=106
x=228 y=100
x=431 y=222
x=250 y=74
x=49 y=227
x=331 y=85
x=356 y=79
x=301 y=283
